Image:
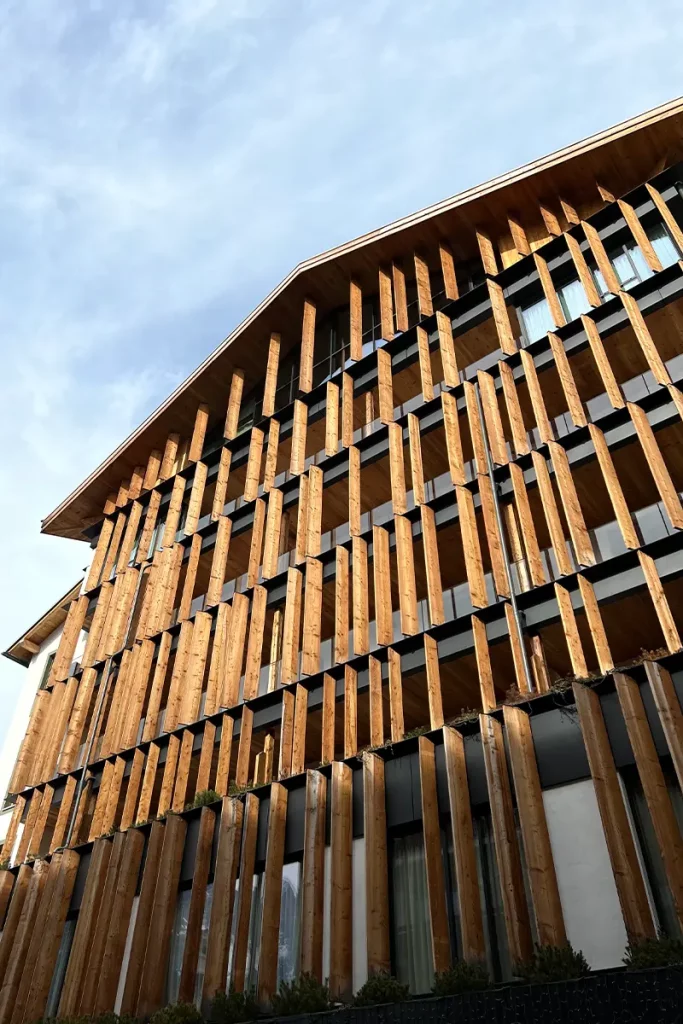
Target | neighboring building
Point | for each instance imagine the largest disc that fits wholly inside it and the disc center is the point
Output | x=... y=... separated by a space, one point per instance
x=367 y=574
x=35 y=650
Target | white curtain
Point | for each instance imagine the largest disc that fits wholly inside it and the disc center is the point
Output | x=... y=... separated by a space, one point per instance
x=175 y=959
x=412 y=938
x=290 y=915
x=537 y=320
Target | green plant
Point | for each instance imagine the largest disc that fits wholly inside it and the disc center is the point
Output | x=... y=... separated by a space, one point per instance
x=463 y=976
x=178 y=1013
x=660 y=952
x=304 y=994
x=234 y=1007
x=553 y=963
x=419 y=730
x=235 y=790
x=204 y=798
x=4 y=864
x=380 y=987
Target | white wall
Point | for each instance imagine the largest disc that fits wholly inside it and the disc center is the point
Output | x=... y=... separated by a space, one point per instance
x=588 y=892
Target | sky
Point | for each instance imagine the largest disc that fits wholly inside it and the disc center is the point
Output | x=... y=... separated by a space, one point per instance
x=164 y=163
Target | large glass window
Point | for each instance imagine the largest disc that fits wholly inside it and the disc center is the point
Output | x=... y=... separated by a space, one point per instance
x=649 y=847
x=536 y=320
x=573 y=299
x=175 y=959
x=629 y=263
x=45 y=678
x=411 y=934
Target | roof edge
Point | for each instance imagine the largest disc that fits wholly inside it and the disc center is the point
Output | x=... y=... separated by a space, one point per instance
x=658 y=113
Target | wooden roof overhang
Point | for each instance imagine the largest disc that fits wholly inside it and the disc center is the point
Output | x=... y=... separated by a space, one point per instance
x=28 y=644
x=623 y=155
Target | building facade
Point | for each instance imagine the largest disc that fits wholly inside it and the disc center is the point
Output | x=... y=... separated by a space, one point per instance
x=377 y=663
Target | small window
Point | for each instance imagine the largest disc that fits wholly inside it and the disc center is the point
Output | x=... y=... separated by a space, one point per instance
x=573 y=300
x=536 y=320
x=46 y=671
x=629 y=263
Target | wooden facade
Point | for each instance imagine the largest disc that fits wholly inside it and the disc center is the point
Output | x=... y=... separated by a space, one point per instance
x=465 y=518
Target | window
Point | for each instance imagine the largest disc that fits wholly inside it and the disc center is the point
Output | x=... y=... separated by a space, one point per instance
x=45 y=678
x=411 y=934
x=536 y=320
x=629 y=263
x=573 y=299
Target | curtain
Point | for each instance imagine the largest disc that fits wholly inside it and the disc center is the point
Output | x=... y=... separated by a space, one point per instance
x=537 y=320
x=412 y=937
x=573 y=299
x=290 y=918
x=175 y=958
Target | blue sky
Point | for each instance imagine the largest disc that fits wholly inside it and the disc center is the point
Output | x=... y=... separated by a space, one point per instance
x=164 y=164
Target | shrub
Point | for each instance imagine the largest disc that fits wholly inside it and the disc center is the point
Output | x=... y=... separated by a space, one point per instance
x=553 y=963
x=660 y=952
x=204 y=798
x=463 y=976
x=380 y=987
x=178 y=1013
x=234 y=1007
x=304 y=994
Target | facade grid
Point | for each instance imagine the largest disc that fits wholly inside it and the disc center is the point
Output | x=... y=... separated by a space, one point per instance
x=377 y=663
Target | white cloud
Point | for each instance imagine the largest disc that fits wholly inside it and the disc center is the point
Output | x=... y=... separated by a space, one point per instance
x=162 y=165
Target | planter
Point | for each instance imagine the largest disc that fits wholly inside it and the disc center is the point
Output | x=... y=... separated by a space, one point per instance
x=612 y=997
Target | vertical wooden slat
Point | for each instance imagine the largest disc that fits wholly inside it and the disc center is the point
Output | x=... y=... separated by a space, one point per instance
x=526 y=522
x=347 y=410
x=471 y=548
x=545 y=895
x=243 y=899
x=514 y=411
x=143 y=919
x=464 y=852
x=423 y=284
x=582 y=268
x=494 y=424
x=376 y=867
x=434 y=698
x=659 y=804
x=292 y=626
x=272 y=367
x=602 y=362
x=332 y=419
x=225 y=748
x=645 y=339
x=595 y=624
x=450 y=284
x=341 y=605
x=583 y=549
x=549 y=290
x=395 y=696
x=613 y=814
x=386 y=308
x=225 y=875
x=407 y=593
x=328 y=715
x=253 y=470
x=487 y=252
x=663 y=611
x=360 y=596
x=449 y=362
x=400 y=299
x=571 y=632
x=382 y=585
x=657 y=465
x=341 y=935
x=219 y=561
x=119 y=918
x=501 y=318
x=614 y=489
x=307 y=346
x=313 y=594
x=515 y=910
x=220 y=493
x=567 y=381
x=483 y=659
x=350 y=711
x=272 y=893
x=436 y=886
x=200 y=877
x=355 y=320
x=456 y=461
x=425 y=364
x=313 y=875
x=640 y=236
x=376 y=711
x=233 y=403
x=201 y=422
x=543 y=424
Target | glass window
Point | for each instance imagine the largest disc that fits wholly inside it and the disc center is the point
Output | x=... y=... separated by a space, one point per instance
x=663 y=245
x=290 y=914
x=652 y=859
x=536 y=320
x=175 y=959
x=44 y=679
x=573 y=300
x=412 y=937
